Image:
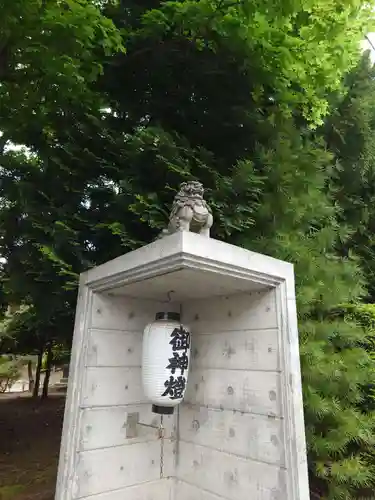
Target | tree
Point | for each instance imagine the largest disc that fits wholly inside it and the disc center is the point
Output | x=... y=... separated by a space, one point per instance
x=297 y=51
x=350 y=135
x=49 y=53
x=9 y=373
x=33 y=275
x=27 y=332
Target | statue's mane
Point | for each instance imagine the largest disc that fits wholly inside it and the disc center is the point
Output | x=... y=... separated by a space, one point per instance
x=190 y=195
x=183 y=198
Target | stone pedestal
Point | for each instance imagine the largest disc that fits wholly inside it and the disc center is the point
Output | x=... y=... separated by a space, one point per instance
x=239 y=434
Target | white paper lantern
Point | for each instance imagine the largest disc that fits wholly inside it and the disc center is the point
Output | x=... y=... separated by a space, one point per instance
x=165 y=361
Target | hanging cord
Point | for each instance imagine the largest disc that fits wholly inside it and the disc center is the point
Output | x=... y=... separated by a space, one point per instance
x=161 y=426
x=161 y=436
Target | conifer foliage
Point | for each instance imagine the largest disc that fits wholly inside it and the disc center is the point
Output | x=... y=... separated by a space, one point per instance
x=349 y=133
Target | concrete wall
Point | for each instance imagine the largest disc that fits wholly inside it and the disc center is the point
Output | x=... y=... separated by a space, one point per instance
x=227 y=439
x=231 y=423
x=119 y=448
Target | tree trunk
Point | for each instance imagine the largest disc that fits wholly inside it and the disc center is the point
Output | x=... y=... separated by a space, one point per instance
x=37 y=373
x=48 y=371
x=30 y=375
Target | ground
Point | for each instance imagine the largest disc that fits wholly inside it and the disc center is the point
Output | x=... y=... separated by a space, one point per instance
x=30 y=433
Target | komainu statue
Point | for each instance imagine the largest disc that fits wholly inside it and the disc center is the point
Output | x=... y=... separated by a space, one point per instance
x=190 y=211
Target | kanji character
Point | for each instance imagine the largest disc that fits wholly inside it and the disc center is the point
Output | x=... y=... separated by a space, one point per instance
x=180 y=339
x=178 y=362
x=174 y=387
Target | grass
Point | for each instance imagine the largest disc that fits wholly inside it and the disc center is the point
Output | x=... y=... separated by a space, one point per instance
x=30 y=434
x=11 y=492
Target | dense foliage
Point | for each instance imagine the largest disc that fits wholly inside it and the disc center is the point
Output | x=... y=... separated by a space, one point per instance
x=9 y=373
x=147 y=94
x=349 y=134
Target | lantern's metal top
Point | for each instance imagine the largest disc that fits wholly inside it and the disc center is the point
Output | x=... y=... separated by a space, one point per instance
x=174 y=316
x=190 y=212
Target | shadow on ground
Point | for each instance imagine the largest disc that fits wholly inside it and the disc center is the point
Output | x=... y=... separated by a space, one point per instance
x=30 y=433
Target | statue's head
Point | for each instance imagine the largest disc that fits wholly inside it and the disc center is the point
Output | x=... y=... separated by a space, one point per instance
x=191 y=189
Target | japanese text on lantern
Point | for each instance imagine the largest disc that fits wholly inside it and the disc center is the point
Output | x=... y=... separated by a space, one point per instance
x=178 y=364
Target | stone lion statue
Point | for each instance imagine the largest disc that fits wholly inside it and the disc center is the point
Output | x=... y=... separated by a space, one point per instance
x=190 y=211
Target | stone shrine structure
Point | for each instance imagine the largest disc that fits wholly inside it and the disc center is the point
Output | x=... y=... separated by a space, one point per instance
x=239 y=433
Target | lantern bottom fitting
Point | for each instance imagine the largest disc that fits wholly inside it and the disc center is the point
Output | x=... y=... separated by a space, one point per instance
x=162 y=410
